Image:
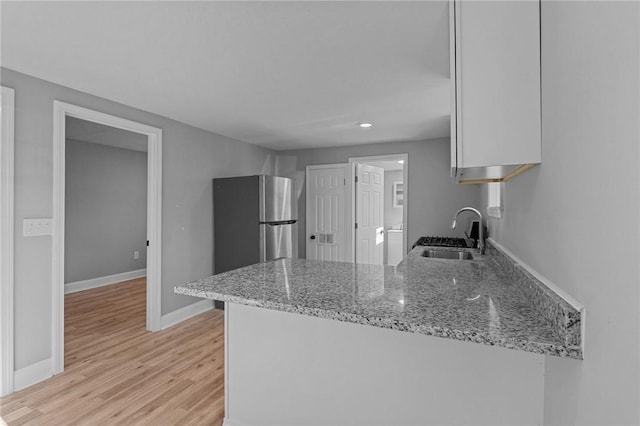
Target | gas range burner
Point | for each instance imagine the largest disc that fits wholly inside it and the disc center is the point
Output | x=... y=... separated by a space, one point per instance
x=441 y=242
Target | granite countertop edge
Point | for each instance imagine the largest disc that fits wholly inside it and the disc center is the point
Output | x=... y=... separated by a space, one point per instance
x=542 y=348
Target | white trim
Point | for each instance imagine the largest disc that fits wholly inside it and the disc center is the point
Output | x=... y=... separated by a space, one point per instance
x=179 y=315
x=57 y=240
x=554 y=288
x=353 y=161
x=76 y=286
x=154 y=230
x=32 y=374
x=347 y=197
x=154 y=217
x=495 y=212
x=306 y=220
x=227 y=360
x=6 y=240
x=353 y=170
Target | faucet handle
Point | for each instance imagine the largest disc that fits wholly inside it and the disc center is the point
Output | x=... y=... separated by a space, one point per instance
x=471 y=242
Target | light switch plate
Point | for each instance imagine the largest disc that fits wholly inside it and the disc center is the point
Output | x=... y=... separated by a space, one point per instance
x=37 y=226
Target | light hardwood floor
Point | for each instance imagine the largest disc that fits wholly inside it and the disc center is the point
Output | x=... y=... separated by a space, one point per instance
x=117 y=373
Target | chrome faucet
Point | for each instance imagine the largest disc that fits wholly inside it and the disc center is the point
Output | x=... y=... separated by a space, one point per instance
x=481 y=226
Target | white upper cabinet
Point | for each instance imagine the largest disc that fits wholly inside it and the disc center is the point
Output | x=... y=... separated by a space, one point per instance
x=495 y=74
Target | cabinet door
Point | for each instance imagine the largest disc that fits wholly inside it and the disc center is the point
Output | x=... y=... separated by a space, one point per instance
x=496 y=67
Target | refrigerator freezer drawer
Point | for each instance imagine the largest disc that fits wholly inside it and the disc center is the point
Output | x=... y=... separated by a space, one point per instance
x=278 y=241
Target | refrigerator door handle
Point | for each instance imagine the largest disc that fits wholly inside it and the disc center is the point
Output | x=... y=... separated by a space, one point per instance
x=279 y=222
x=277 y=240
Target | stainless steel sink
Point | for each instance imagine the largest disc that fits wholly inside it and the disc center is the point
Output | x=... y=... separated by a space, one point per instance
x=448 y=254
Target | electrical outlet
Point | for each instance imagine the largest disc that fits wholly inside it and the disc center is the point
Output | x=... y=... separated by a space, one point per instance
x=136 y=255
x=37 y=226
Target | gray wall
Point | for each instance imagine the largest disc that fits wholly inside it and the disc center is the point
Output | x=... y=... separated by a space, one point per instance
x=105 y=210
x=191 y=157
x=431 y=197
x=575 y=218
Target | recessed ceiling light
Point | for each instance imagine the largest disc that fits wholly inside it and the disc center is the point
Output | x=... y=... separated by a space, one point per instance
x=400 y=161
x=365 y=125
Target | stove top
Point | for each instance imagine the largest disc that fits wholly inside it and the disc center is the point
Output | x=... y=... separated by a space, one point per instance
x=441 y=242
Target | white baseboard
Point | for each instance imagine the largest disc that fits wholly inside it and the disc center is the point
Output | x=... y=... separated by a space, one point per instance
x=179 y=315
x=102 y=281
x=32 y=374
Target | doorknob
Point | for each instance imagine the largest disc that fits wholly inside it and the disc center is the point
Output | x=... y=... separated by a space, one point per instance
x=313 y=237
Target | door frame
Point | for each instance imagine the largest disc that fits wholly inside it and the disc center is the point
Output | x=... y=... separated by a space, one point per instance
x=347 y=175
x=353 y=161
x=7 y=199
x=61 y=110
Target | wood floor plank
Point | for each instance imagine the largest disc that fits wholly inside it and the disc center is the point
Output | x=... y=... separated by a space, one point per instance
x=22 y=415
x=118 y=373
x=157 y=402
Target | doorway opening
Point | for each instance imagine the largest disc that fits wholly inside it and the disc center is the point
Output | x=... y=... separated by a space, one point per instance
x=379 y=208
x=105 y=236
x=67 y=120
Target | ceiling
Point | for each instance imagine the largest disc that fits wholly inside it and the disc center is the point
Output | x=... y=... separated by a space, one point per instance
x=88 y=131
x=284 y=75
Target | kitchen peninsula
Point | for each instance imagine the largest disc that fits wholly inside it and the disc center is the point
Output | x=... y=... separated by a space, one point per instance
x=311 y=342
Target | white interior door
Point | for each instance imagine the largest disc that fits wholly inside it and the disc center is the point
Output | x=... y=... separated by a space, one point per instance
x=369 y=214
x=326 y=213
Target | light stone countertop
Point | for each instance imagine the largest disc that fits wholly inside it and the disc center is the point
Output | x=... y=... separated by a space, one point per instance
x=463 y=300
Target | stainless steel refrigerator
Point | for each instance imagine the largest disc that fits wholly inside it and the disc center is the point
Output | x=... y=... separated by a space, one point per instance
x=255 y=220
